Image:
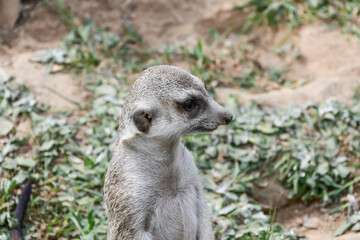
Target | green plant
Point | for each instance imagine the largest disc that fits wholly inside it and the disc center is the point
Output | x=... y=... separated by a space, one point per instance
x=271 y=13
x=246 y=81
x=62 y=11
x=295 y=12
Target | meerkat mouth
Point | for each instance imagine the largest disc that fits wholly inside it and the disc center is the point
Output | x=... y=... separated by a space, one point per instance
x=204 y=129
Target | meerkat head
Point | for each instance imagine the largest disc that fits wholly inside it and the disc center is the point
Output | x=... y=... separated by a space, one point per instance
x=166 y=102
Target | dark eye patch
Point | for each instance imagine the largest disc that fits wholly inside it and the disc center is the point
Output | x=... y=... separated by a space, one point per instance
x=192 y=106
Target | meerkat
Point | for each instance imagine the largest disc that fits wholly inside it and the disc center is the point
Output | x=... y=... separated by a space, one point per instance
x=152 y=188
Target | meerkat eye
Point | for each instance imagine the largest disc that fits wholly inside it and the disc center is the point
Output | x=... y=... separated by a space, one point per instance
x=189 y=105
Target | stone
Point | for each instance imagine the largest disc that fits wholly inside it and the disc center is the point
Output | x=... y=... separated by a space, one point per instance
x=312 y=223
x=270 y=192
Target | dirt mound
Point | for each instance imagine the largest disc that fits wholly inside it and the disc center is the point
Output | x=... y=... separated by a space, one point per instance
x=167 y=21
x=40 y=23
x=319 y=90
x=158 y=21
x=329 y=62
x=328 y=53
x=313 y=221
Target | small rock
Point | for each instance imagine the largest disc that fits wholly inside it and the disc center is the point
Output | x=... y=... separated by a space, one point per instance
x=312 y=223
x=270 y=192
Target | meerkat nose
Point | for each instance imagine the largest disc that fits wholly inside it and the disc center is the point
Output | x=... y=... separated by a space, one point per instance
x=227 y=118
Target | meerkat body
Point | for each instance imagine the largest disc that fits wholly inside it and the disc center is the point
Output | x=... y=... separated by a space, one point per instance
x=152 y=188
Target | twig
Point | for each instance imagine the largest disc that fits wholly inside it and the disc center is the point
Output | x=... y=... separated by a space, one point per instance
x=64 y=97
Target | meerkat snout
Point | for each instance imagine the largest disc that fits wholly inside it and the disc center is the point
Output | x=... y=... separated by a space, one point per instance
x=152 y=189
x=227 y=118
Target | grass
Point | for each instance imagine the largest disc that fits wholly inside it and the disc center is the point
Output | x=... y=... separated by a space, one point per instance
x=314 y=149
x=294 y=13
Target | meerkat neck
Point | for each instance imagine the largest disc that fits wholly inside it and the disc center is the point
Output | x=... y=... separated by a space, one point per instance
x=153 y=148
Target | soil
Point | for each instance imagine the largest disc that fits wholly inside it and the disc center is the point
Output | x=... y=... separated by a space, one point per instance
x=59 y=91
x=329 y=62
x=312 y=220
x=328 y=66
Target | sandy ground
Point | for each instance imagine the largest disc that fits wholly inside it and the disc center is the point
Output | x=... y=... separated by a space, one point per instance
x=329 y=62
x=313 y=221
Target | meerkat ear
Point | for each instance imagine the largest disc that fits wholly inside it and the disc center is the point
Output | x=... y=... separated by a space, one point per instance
x=142 y=120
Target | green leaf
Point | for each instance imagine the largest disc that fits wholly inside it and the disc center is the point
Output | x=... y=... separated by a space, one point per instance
x=323 y=168
x=5 y=126
x=4 y=77
x=25 y=162
x=21 y=176
x=56 y=55
x=356 y=227
x=9 y=164
x=107 y=90
x=267 y=128
x=46 y=146
x=343 y=228
x=226 y=210
x=332 y=147
x=342 y=171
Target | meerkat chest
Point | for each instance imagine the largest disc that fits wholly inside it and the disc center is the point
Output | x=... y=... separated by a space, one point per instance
x=175 y=216
x=175 y=209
